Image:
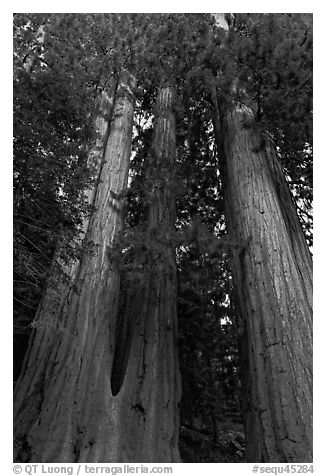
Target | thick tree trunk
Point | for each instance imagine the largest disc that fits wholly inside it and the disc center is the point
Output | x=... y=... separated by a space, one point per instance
x=145 y=374
x=62 y=400
x=63 y=275
x=272 y=276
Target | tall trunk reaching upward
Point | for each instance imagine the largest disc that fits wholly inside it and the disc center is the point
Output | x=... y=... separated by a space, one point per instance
x=61 y=279
x=145 y=376
x=61 y=399
x=272 y=276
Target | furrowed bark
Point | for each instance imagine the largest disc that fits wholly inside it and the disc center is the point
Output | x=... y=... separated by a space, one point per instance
x=146 y=378
x=64 y=392
x=63 y=275
x=272 y=276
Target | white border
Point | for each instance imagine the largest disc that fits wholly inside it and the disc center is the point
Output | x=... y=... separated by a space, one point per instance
x=319 y=195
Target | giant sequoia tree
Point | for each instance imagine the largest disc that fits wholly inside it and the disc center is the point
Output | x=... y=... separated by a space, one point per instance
x=62 y=338
x=206 y=192
x=145 y=377
x=273 y=285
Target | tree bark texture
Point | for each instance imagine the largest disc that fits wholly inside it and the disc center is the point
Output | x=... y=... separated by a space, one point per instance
x=272 y=276
x=145 y=374
x=62 y=407
x=63 y=275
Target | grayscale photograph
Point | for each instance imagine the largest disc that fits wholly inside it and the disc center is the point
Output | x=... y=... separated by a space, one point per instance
x=162 y=239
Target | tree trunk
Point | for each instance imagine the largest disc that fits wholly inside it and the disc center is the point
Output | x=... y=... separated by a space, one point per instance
x=62 y=400
x=63 y=275
x=272 y=276
x=145 y=375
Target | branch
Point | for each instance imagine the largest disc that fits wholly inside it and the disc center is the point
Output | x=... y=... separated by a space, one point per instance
x=24 y=304
x=36 y=247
